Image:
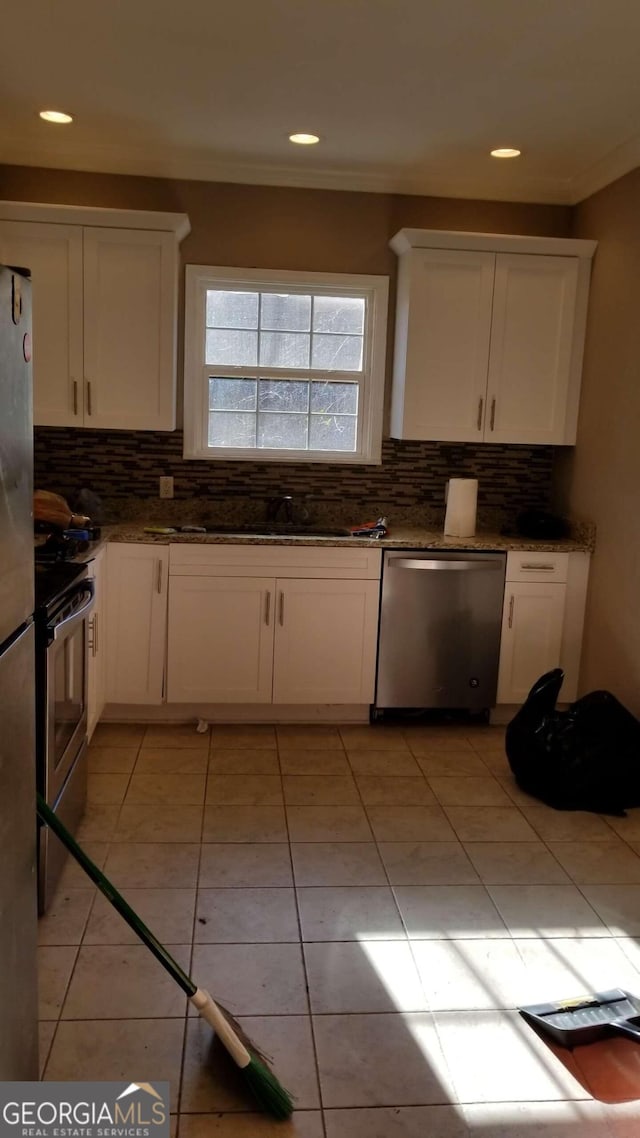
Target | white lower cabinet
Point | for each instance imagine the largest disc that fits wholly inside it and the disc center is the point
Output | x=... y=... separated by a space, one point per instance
x=542 y=622
x=531 y=636
x=325 y=641
x=220 y=640
x=136 y=622
x=97 y=661
x=289 y=626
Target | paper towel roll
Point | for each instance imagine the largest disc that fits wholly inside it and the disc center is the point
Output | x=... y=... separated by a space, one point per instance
x=462 y=502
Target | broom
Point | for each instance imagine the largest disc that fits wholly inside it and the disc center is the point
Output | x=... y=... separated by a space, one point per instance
x=264 y=1086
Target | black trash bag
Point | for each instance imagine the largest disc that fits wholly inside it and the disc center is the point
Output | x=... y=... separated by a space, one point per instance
x=585 y=758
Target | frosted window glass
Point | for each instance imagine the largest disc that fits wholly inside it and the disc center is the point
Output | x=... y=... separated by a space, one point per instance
x=232 y=309
x=337 y=353
x=235 y=348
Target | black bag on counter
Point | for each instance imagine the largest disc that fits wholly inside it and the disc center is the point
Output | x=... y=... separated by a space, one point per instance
x=585 y=758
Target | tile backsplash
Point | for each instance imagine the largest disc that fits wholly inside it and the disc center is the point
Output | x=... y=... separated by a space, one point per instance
x=123 y=469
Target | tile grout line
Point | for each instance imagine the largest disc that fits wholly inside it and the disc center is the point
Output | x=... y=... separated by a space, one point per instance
x=193 y=932
x=79 y=945
x=96 y=891
x=302 y=952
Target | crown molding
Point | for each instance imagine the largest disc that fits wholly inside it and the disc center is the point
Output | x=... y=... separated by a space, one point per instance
x=618 y=162
x=177 y=223
x=406 y=240
x=194 y=165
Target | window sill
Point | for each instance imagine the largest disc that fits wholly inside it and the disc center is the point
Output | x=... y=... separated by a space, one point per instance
x=228 y=454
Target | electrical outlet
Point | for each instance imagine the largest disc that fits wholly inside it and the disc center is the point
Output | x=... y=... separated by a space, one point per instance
x=166 y=486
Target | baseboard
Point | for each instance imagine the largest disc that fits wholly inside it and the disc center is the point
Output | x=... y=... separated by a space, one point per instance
x=504 y=712
x=235 y=713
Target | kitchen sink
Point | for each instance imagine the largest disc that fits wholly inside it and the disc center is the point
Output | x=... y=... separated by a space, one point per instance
x=279 y=531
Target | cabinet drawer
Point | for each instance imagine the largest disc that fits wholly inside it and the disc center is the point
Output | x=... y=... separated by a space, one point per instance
x=272 y=560
x=532 y=566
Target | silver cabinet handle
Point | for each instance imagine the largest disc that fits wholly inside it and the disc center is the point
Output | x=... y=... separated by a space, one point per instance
x=75 y=396
x=89 y=408
x=267 y=607
x=480 y=406
x=91 y=635
x=493 y=413
x=538 y=565
x=511 y=603
x=281 y=608
x=159 y=577
x=95 y=634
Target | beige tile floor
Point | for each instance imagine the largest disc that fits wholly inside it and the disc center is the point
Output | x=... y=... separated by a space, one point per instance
x=374 y=903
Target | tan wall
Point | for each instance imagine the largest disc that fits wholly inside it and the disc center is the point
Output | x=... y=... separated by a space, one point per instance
x=279 y=228
x=600 y=479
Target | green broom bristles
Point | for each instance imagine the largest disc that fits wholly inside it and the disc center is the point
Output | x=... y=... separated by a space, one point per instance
x=267 y=1091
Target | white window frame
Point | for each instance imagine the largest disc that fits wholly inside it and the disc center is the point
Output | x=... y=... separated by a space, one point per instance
x=199 y=278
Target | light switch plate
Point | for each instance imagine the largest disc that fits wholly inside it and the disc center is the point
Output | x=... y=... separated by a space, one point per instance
x=166 y=486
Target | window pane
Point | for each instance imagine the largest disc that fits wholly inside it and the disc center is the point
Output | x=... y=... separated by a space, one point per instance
x=284 y=349
x=338 y=314
x=284 y=395
x=337 y=353
x=232 y=394
x=290 y=313
x=333 y=432
x=232 y=429
x=283 y=432
x=229 y=347
x=232 y=309
x=334 y=398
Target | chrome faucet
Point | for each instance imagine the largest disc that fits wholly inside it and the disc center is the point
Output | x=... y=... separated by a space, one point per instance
x=281 y=502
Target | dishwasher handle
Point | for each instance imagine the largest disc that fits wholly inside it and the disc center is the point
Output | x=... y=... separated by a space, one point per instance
x=444 y=564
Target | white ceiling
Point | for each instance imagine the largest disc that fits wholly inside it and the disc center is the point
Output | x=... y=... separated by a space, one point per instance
x=407 y=95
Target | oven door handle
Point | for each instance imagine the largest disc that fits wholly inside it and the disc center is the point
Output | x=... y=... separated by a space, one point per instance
x=86 y=587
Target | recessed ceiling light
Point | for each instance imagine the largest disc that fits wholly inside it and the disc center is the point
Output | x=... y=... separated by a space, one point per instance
x=505 y=152
x=55 y=116
x=304 y=139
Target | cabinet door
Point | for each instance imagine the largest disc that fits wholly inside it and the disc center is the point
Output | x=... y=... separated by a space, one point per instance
x=130 y=280
x=532 y=623
x=325 y=642
x=220 y=639
x=530 y=360
x=97 y=671
x=442 y=353
x=136 y=622
x=53 y=253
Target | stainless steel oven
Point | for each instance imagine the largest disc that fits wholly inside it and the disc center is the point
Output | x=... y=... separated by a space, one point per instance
x=61 y=716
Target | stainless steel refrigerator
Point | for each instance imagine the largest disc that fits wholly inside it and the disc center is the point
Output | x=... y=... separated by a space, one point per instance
x=18 y=977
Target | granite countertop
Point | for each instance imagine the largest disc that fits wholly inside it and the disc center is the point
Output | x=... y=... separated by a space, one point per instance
x=400 y=537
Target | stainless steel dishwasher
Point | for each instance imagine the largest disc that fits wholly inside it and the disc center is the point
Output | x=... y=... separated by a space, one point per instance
x=439 y=639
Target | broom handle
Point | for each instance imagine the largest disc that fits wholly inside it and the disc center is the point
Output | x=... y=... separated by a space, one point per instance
x=111 y=893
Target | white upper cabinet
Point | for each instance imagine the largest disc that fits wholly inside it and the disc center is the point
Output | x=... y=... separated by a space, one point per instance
x=489 y=337
x=130 y=297
x=53 y=253
x=104 y=312
x=442 y=345
x=532 y=336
